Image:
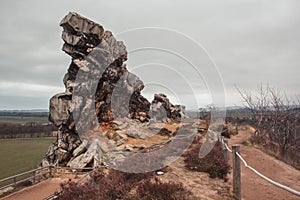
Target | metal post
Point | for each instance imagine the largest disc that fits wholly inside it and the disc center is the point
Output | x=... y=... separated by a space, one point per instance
x=34 y=173
x=236 y=163
x=15 y=183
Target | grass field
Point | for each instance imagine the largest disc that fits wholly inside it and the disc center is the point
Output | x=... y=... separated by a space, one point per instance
x=20 y=155
x=22 y=119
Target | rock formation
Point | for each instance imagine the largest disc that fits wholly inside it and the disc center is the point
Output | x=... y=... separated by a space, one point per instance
x=162 y=109
x=97 y=78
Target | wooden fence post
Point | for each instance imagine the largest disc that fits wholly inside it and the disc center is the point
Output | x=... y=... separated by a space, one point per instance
x=236 y=163
x=226 y=151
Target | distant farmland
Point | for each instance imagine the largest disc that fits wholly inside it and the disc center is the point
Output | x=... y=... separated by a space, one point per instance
x=23 y=119
x=24 y=124
x=20 y=155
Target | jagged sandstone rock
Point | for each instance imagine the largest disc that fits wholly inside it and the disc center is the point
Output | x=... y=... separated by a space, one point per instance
x=94 y=152
x=81 y=149
x=162 y=109
x=98 y=78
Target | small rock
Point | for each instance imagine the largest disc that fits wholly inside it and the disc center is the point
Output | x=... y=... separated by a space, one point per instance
x=129 y=147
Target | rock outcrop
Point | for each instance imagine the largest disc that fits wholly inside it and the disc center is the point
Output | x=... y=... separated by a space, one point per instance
x=162 y=109
x=100 y=89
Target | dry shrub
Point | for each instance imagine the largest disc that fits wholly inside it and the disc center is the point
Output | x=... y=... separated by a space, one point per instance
x=214 y=163
x=155 y=189
x=121 y=185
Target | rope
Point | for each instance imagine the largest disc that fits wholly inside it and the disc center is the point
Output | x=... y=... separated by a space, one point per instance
x=261 y=175
x=225 y=145
x=268 y=179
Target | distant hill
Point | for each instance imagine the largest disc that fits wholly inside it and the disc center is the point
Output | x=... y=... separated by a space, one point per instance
x=25 y=113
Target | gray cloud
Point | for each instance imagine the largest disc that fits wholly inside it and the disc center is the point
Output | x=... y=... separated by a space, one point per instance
x=251 y=41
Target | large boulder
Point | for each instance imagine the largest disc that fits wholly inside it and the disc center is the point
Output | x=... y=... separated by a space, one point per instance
x=59 y=109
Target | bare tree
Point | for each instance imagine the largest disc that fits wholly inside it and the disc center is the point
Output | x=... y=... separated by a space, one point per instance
x=258 y=104
x=285 y=121
x=275 y=117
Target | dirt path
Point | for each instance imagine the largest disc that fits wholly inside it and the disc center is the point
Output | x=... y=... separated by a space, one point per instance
x=38 y=191
x=254 y=187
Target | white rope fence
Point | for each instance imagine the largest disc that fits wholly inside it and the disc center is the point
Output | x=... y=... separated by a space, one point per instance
x=226 y=146
x=261 y=175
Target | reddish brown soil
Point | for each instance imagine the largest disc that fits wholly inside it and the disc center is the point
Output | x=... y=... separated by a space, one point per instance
x=254 y=187
x=38 y=191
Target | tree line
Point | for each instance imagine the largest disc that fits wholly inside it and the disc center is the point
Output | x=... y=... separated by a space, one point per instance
x=27 y=130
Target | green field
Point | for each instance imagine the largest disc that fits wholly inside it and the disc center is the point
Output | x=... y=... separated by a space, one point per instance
x=20 y=155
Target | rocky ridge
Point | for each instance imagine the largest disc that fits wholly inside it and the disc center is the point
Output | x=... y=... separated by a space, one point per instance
x=101 y=91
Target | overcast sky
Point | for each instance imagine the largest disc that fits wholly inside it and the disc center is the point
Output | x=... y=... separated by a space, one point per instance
x=250 y=41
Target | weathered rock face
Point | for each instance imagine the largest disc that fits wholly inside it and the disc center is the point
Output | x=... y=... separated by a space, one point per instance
x=97 y=76
x=162 y=109
x=88 y=44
